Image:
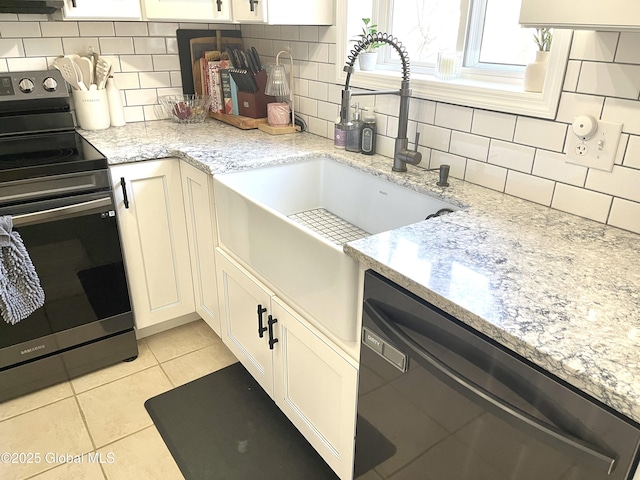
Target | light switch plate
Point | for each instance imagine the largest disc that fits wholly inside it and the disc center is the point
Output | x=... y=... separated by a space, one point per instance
x=597 y=152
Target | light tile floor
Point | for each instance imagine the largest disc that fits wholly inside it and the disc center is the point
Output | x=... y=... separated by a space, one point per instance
x=95 y=427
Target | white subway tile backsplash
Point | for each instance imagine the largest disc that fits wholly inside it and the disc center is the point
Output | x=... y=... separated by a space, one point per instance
x=628 y=51
x=23 y=64
x=166 y=62
x=162 y=29
x=433 y=137
x=59 y=29
x=172 y=45
x=309 y=33
x=150 y=45
x=534 y=189
x=622 y=182
x=154 y=80
x=494 y=124
x=470 y=146
x=299 y=50
x=47 y=47
x=308 y=106
x=328 y=34
x=625 y=214
x=623 y=111
x=148 y=96
x=3 y=65
x=301 y=87
x=11 y=48
x=540 y=133
x=571 y=77
x=128 y=81
x=423 y=111
x=320 y=127
x=80 y=45
x=326 y=74
x=309 y=70
x=133 y=114
x=458 y=165
x=581 y=202
x=632 y=155
x=176 y=79
x=328 y=111
x=610 y=79
x=117 y=45
x=136 y=63
x=318 y=90
x=553 y=166
x=511 y=155
x=290 y=32
x=20 y=29
x=454 y=117
x=385 y=146
x=319 y=52
x=8 y=17
x=131 y=29
x=487 y=175
x=591 y=45
x=96 y=29
x=573 y=104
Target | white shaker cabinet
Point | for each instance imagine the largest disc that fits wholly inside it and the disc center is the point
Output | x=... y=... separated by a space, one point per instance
x=581 y=14
x=197 y=191
x=188 y=10
x=284 y=12
x=154 y=240
x=102 y=9
x=311 y=381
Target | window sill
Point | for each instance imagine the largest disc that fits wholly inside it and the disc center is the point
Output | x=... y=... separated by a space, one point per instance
x=499 y=96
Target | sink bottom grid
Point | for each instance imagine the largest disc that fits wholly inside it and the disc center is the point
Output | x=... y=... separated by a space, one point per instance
x=329 y=225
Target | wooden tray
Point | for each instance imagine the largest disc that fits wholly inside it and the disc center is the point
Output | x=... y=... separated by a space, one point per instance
x=244 y=123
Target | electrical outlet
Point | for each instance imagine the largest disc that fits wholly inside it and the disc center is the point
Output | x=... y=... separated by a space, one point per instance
x=597 y=150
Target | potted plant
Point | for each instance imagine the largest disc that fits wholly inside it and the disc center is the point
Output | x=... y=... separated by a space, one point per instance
x=369 y=57
x=535 y=72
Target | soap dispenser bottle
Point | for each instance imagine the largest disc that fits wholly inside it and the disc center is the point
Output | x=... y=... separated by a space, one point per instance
x=354 y=131
x=369 y=132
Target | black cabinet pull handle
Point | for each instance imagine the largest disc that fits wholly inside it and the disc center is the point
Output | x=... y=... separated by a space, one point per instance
x=73 y=3
x=261 y=328
x=270 y=322
x=219 y=2
x=123 y=184
x=252 y=5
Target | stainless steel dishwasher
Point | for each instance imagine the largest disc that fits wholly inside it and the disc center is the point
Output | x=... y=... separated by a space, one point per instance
x=438 y=400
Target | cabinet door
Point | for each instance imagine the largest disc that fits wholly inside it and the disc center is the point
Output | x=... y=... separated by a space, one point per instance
x=103 y=9
x=154 y=240
x=310 y=12
x=198 y=206
x=241 y=296
x=250 y=11
x=316 y=387
x=196 y=10
x=587 y=14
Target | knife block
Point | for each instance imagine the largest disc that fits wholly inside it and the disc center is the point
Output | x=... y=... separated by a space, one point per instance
x=254 y=105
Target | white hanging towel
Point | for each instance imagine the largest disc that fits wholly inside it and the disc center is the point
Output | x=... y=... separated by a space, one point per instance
x=20 y=291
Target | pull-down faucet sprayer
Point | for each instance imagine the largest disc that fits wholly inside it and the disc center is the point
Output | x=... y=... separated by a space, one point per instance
x=402 y=155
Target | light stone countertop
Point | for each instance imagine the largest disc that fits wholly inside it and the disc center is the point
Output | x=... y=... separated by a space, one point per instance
x=562 y=291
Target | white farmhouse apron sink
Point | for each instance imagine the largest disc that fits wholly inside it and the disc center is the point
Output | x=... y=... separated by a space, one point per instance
x=306 y=268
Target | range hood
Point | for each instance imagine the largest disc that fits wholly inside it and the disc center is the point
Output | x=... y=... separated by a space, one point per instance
x=30 y=6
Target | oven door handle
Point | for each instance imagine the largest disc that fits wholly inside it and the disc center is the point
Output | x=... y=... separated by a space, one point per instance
x=59 y=212
x=472 y=390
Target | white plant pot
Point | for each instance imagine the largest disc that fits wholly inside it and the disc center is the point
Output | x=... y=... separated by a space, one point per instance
x=535 y=72
x=368 y=61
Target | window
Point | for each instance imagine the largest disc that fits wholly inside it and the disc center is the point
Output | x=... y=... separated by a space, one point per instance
x=496 y=50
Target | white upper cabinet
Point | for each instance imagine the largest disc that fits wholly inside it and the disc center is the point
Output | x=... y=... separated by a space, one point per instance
x=103 y=9
x=188 y=10
x=284 y=12
x=581 y=14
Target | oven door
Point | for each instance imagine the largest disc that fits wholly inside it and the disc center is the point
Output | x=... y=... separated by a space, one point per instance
x=437 y=400
x=74 y=245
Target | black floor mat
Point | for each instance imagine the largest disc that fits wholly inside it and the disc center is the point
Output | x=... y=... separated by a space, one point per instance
x=224 y=426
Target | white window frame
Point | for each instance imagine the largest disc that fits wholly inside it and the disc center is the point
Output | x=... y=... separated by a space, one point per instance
x=488 y=92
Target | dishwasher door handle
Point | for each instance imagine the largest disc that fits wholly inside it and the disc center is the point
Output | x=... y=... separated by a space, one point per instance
x=462 y=384
x=60 y=212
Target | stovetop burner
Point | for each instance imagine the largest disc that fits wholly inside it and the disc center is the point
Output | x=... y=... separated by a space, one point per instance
x=29 y=156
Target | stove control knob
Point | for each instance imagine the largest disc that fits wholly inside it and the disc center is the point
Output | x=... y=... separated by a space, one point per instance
x=50 y=84
x=26 y=85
